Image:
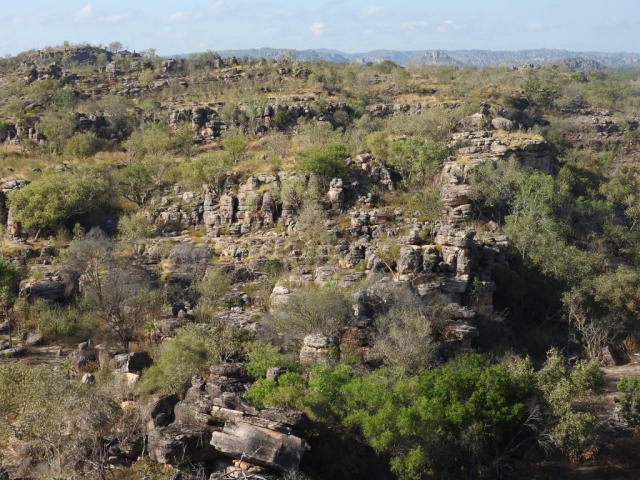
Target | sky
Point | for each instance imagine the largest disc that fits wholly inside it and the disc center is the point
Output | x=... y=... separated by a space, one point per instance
x=352 y=26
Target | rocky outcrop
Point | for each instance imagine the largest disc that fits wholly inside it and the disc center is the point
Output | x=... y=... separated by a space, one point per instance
x=133 y=362
x=53 y=288
x=84 y=358
x=179 y=444
x=214 y=421
x=261 y=446
x=318 y=348
x=335 y=195
x=483 y=145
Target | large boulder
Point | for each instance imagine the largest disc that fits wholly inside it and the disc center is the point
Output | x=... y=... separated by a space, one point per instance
x=161 y=411
x=179 y=444
x=260 y=446
x=133 y=362
x=386 y=293
x=14 y=352
x=50 y=289
x=318 y=348
x=227 y=378
x=501 y=123
x=410 y=260
x=477 y=121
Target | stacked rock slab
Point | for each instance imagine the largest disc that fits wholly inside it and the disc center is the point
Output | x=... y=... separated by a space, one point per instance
x=214 y=421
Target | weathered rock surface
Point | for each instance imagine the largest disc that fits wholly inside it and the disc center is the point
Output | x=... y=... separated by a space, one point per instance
x=179 y=444
x=214 y=412
x=318 y=348
x=260 y=446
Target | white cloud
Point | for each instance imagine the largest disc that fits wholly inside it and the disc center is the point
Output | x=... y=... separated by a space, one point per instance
x=372 y=11
x=115 y=18
x=84 y=13
x=272 y=31
x=449 y=25
x=177 y=17
x=413 y=25
x=368 y=32
x=535 y=26
x=219 y=6
x=317 y=29
x=30 y=21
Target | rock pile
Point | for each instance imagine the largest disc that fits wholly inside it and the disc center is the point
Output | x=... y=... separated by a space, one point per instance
x=213 y=421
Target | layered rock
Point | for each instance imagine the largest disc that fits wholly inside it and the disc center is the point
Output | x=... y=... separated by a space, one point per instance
x=318 y=348
x=214 y=421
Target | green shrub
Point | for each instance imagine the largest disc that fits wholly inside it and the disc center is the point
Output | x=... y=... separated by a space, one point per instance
x=444 y=421
x=323 y=310
x=192 y=351
x=84 y=145
x=134 y=182
x=52 y=199
x=630 y=400
x=416 y=159
x=287 y=391
x=207 y=168
x=58 y=127
x=70 y=321
x=263 y=356
x=64 y=99
x=327 y=161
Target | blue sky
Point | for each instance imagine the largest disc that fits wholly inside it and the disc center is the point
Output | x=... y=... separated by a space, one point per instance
x=351 y=26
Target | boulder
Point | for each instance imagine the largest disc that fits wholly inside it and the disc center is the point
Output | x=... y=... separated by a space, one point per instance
x=48 y=289
x=227 y=378
x=477 y=121
x=33 y=339
x=84 y=357
x=295 y=420
x=318 y=348
x=133 y=362
x=335 y=195
x=608 y=357
x=410 y=260
x=161 y=411
x=386 y=292
x=260 y=446
x=16 y=351
x=501 y=123
x=168 y=324
x=180 y=444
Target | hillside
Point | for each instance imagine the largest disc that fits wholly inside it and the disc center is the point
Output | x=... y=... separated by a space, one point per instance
x=462 y=58
x=246 y=265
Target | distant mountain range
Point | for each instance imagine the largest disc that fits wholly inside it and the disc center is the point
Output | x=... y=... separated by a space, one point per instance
x=462 y=58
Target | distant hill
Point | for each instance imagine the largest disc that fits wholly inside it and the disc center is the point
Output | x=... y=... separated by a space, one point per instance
x=579 y=63
x=462 y=58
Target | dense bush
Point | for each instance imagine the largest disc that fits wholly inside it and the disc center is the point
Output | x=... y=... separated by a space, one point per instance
x=58 y=127
x=84 y=145
x=55 y=198
x=192 y=351
x=315 y=310
x=328 y=161
x=38 y=405
x=630 y=399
